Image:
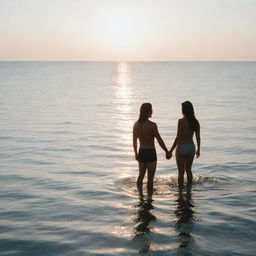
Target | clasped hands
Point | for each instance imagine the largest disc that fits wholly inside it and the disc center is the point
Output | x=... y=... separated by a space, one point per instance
x=168 y=155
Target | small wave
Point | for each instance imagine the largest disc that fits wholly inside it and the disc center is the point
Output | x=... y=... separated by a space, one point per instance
x=65 y=123
x=15 y=246
x=164 y=185
x=197 y=179
x=5 y=137
x=63 y=132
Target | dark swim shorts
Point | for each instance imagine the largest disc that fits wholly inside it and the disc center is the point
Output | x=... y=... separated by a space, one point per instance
x=147 y=155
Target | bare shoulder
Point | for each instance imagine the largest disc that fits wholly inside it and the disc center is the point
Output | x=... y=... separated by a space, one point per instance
x=136 y=124
x=182 y=120
x=152 y=124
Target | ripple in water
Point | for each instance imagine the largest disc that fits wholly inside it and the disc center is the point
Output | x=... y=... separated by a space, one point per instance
x=163 y=186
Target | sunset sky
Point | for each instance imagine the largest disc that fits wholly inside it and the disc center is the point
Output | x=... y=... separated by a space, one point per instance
x=128 y=30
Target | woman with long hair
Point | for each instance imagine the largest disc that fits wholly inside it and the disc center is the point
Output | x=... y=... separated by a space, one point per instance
x=146 y=131
x=185 y=147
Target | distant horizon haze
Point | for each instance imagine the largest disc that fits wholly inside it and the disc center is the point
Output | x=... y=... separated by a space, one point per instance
x=111 y=30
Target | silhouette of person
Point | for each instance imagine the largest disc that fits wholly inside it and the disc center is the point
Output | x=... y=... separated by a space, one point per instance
x=146 y=131
x=185 y=147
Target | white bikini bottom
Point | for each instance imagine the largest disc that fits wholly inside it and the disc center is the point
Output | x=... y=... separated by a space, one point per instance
x=187 y=149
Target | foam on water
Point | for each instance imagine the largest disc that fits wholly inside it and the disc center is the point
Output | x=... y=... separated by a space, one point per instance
x=164 y=186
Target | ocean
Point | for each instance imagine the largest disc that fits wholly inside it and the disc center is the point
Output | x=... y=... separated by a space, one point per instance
x=68 y=173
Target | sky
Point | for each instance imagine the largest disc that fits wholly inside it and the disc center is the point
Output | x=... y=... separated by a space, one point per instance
x=128 y=30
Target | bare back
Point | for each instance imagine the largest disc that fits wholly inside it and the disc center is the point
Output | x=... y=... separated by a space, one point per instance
x=185 y=133
x=145 y=132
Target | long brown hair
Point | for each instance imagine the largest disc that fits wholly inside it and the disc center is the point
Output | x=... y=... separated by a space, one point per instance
x=188 y=112
x=144 y=110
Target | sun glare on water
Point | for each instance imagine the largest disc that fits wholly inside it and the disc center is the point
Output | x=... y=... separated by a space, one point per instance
x=123 y=89
x=124 y=101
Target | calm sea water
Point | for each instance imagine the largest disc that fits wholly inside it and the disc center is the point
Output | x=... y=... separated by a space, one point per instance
x=67 y=170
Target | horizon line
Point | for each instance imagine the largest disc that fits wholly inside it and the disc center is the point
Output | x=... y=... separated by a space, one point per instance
x=127 y=60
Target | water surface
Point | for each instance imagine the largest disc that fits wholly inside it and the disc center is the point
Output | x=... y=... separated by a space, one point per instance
x=67 y=180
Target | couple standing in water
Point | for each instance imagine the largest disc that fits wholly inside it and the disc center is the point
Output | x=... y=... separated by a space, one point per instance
x=146 y=131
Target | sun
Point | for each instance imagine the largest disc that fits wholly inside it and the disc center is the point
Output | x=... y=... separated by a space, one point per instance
x=119 y=28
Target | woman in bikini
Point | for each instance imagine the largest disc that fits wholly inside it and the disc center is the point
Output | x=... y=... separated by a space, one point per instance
x=146 y=131
x=185 y=147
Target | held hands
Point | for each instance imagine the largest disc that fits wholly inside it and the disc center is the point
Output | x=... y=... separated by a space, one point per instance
x=168 y=155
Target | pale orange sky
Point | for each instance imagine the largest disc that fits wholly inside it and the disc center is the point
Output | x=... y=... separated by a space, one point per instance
x=128 y=30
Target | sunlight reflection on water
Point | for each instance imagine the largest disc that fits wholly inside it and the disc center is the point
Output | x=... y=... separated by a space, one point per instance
x=124 y=101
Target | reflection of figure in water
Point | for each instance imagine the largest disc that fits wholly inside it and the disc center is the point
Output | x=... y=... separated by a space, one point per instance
x=146 y=131
x=185 y=151
x=184 y=224
x=142 y=219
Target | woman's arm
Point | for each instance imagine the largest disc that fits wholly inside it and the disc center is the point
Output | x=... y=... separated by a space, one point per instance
x=198 y=141
x=179 y=131
x=135 y=145
x=174 y=145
